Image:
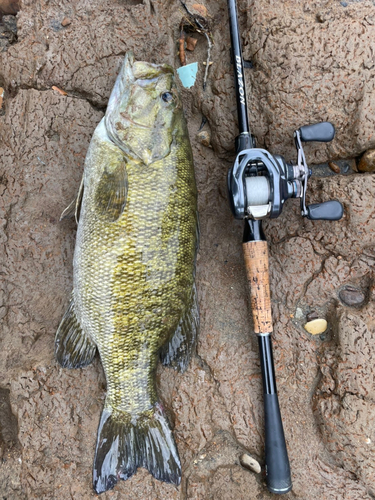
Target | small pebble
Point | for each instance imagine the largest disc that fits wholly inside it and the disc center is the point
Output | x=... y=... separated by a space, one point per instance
x=316 y=326
x=351 y=296
x=191 y=43
x=204 y=137
x=312 y=315
x=334 y=167
x=367 y=162
x=200 y=9
x=299 y=313
x=1 y=97
x=250 y=463
x=66 y=21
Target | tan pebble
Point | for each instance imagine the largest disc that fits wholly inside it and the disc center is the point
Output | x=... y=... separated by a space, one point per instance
x=204 y=137
x=250 y=463
x=191 y=43
x=316 y=326
x=201 y=9
x=367 y=162
x=334 y=167
x=66 y=21
x=1 y=97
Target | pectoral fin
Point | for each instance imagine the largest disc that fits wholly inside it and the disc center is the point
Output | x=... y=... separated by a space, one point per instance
x=111 y=193
x=73 y=347
x=75 y=206
x=177 y=352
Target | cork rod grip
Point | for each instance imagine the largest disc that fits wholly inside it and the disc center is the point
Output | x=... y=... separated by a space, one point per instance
x=257 y=270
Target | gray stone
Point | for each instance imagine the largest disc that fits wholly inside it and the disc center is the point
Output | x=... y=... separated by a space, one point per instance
x=352 y=296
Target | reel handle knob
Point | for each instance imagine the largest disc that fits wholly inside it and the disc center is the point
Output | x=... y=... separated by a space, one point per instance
x=320 y=132
x=329 y=210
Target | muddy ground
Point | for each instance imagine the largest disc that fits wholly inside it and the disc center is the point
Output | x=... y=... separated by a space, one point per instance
x=312 y=61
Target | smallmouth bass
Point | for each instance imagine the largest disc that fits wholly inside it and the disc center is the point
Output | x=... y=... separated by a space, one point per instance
x=134 y=298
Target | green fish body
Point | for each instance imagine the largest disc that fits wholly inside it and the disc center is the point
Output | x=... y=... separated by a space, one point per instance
x=134 y=297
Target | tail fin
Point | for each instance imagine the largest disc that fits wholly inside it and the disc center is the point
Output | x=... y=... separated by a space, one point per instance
x=125 y=443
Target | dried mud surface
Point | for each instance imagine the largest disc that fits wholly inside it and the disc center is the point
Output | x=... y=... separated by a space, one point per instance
x=312 y=61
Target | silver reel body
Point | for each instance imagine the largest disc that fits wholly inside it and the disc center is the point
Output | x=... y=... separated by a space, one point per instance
x=259 y=183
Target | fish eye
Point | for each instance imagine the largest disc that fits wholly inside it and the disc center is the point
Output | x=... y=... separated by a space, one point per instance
x=167 y=96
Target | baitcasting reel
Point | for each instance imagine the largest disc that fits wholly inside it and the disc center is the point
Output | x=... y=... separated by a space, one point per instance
x=259 y=183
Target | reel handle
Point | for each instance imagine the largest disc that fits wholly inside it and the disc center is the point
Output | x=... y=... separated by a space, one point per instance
x=319 y=132
x=328 y=210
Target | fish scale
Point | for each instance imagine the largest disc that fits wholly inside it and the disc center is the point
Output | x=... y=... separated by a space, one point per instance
x=134 y=297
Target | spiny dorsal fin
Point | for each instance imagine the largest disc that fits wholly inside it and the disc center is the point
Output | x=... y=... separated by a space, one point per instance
x=177 y=352
x=73 y=347
x=74 y=208
x=111 y=193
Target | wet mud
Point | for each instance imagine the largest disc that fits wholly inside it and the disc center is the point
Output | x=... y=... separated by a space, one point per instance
x=311 y=62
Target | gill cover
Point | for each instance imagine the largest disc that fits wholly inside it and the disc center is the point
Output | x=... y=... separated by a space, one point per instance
x=141 y=110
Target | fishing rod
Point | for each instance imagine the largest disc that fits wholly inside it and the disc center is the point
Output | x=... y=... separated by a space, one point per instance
x=258 y=185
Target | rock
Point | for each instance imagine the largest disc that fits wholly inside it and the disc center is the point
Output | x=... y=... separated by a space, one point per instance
x=8 y=31
x=352 y=296
x=250 y=463
x=9 y=7
x=66 y=21
x=191 y=43
x=312 y=315
x=334 y=167
x=367 y=162
x=1 y=97
x=316 y=326
x=299 y=313
x=332 y=92
x=200 y=9
x=204 y=137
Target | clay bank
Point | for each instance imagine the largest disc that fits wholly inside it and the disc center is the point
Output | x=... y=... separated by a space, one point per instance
x=310 y=62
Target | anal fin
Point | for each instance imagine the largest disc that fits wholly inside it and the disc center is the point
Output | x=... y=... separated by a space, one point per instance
x=177 y=352
x=73 y=347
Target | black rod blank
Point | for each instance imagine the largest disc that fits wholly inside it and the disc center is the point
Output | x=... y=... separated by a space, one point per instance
x=243 y=121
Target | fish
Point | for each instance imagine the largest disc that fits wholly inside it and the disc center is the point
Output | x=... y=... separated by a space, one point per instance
x=134 y=297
